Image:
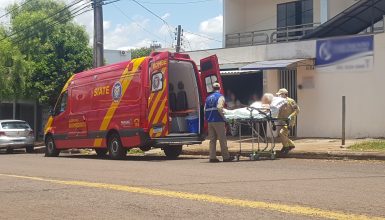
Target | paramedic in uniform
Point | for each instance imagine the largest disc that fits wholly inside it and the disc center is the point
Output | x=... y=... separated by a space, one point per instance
x=289 y=111
x=216 y=124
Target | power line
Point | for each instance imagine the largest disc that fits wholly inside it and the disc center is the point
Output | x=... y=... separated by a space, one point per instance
x=52 y=25
x=44 y=19
x=9 y=12
x=133 y=21
x=73 y=13
x=204 y=36
x=176 y=3
x=153 y=13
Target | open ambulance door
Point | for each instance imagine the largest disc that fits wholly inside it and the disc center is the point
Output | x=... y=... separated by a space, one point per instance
x=158 y=122
x=210 y=74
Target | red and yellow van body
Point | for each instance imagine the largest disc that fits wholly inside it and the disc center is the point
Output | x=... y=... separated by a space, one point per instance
x=121 y=98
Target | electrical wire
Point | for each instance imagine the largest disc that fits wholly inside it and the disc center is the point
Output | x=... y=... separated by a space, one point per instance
x=153 y=13
x=44 y=19
x=133 y=21
x=200 y=35
x=21 y=5
x=73 y=13
x=176 y=3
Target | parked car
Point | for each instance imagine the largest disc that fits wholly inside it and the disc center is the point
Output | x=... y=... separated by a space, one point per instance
x=16 y=134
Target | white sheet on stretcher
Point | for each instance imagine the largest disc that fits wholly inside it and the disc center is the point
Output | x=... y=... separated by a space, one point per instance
x=244 y=113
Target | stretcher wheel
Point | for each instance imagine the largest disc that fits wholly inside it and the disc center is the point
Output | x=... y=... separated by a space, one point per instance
x=273 y=156
x=254 y=157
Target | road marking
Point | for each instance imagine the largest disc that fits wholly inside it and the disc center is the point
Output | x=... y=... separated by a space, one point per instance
x=288 y=209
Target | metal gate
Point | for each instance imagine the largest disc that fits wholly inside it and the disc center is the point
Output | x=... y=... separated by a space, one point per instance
x=288 y=80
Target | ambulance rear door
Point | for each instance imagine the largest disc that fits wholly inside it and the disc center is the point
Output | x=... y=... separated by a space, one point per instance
x=158 y=122
x=210 y=74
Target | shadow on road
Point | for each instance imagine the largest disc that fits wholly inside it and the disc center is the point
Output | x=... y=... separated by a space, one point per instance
x=149 y=158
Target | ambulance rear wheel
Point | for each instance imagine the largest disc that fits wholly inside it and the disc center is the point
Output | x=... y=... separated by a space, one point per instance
x=172 y=152
x=115 y=147
x=50 y=148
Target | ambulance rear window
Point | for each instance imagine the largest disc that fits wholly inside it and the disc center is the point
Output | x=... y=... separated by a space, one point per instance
x=157 y=82
x=210 y=80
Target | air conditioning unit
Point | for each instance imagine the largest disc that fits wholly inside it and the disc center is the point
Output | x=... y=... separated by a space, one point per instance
x=123 y=52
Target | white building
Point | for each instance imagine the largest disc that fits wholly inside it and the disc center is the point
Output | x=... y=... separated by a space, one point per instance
x=116 y=56
x=320 y=50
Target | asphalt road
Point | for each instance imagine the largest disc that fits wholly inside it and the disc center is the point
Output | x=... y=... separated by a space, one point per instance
x=151 y=187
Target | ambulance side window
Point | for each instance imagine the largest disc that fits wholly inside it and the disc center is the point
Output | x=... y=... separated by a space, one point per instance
x=210 y=80
x=62 y=104
x=157 y=82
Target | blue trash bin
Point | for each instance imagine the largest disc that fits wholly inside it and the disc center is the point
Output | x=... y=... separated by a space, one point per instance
x=192 y=124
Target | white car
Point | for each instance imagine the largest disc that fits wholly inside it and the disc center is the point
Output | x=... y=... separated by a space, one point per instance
x=16 y=134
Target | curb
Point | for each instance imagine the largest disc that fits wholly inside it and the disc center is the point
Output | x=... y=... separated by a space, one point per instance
x=313 y=155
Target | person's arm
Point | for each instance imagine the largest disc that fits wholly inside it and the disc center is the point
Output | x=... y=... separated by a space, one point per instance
x=295 y=108
x=221 y=105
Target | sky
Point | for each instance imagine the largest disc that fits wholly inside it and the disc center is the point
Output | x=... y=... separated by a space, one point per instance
x=127 y=25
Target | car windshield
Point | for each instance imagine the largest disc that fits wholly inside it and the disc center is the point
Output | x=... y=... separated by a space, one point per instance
x=14 y=125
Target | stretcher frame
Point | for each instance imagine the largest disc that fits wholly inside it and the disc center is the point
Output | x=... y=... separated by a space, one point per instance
x=266 y=151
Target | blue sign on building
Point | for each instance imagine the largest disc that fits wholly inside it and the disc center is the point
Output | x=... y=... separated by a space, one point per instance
x=345 y=54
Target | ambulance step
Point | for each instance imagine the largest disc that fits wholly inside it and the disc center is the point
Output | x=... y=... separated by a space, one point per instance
x=179 y=140
x=182 y=135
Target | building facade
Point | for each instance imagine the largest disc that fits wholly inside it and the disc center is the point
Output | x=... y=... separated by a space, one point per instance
x=313 y=48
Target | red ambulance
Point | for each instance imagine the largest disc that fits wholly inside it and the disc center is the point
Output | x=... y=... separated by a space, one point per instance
x=150 y=102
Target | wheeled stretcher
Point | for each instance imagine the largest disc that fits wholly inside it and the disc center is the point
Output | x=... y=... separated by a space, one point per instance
x=262 y=125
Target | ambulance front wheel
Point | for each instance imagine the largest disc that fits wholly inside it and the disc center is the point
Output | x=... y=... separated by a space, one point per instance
x=172 y=152
x=50 y=147
x=115 y=147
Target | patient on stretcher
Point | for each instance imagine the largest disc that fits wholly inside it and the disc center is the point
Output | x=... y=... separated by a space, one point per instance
x=268 y=106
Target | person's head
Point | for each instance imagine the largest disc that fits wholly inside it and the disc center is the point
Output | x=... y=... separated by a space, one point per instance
x=216 y=86
x=267 y=98
x=283 y=93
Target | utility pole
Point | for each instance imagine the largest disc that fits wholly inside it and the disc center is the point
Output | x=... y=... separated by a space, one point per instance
x=98 y=33
x=179 y=34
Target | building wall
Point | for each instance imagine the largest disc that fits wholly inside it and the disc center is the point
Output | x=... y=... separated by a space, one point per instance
x=320 y=99
x=116 y=56
x=252 y=15
x=321 y=105
x=336 y=7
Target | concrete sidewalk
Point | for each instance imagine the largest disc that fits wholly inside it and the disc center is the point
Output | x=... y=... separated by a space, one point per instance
x=305 y=148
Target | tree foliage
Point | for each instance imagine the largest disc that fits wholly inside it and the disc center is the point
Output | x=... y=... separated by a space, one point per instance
x=140 y=52
x=53 y=46
x=13 y=70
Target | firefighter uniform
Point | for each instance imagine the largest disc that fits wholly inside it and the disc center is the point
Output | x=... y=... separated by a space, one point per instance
x=216 y=124
x=289 y=111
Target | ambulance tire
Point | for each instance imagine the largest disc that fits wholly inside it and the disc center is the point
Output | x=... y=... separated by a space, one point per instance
x=101 y=152
x=50 y=147
x=172 y=152
x=115 y=147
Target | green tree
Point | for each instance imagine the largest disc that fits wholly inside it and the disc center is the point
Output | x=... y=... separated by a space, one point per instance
x=54 y=45
x=140 y=52
x=13 y=70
